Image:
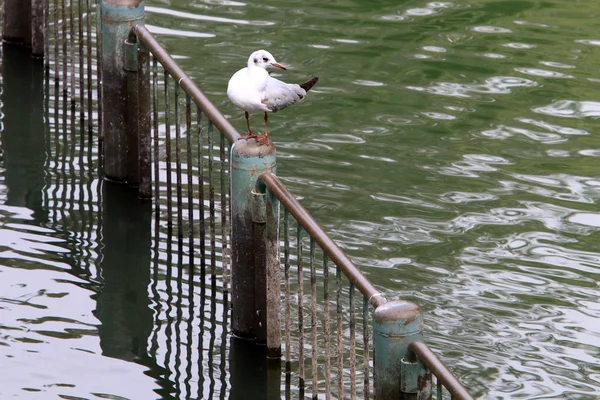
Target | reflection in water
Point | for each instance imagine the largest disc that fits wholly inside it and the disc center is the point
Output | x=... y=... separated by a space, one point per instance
x=123 y=304
x=452 y=151
x=77 y=249
x=24 y=130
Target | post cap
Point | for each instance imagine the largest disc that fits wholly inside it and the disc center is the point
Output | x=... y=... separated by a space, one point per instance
x=397 y=310
x=398 y=318
x=250 y=148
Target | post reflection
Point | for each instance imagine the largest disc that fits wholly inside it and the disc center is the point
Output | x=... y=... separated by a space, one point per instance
x=123 y=305
x=24 y=129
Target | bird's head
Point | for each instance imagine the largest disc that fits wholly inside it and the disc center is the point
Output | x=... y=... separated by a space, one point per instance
x=263 y=59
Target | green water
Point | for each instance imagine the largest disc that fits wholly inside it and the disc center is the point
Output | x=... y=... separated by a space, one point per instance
x=449 y=148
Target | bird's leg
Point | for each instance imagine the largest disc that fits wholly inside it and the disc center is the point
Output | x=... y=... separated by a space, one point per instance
x=265 y=139
x=266 y=124
x=249 y=135
x=248 y=122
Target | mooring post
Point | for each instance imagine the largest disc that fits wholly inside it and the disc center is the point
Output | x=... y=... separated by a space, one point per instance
x=16 y=21
x=118 y=17
x=248 y=160
x=144 y=123
x=265 y=216
x=131 y=113
x=37 y=27
x=398 y=373
x=138 y=116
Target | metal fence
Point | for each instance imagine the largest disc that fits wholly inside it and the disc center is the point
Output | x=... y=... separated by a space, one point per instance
x=179 y=155
x=326 y=301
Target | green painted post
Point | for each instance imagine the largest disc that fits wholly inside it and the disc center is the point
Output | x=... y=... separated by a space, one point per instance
x=248 y=160
x=118 y=17
x=398 y=374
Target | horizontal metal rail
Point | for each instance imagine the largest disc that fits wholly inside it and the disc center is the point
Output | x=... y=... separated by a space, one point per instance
x=269 y=181
x=327 y=244
x=439 y=369
x=184 y=81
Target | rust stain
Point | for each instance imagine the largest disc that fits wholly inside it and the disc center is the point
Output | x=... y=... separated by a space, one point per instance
x=424 y=381
x=253 y=171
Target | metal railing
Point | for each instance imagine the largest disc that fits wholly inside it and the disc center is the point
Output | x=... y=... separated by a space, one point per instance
x=329 y=367
x=177 y=159
x=189 y=154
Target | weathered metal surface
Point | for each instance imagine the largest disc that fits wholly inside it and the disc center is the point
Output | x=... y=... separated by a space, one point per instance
x=118 y=17
x=273 y=267
x=259 y=207
x=144 y=124
x=440 y=370
x=205 y=105
x=260 y=272
x=395 y=325
x=16 y=21
x=415 y=379
x=131 y=103
x=265 y=215
x=37 y=27
x=248 y=160
x=329 y=247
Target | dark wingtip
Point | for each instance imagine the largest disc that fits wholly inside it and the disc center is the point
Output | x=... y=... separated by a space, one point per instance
x=309 y=83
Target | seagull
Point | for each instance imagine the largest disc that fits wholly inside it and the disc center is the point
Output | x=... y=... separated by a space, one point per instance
x=253 y=90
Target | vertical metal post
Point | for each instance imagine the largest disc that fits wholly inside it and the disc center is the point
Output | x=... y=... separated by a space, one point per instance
x=37 y=28
x=398 y=374
x=144 y=122
x=248 y=160
x=259 y=219
x=131 y=110
x=118 y=17
x=273 y=267
x=16 y=21
x=267 y=276
x=138 y=116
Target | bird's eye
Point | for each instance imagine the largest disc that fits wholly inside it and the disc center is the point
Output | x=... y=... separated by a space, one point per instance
x=265 y=59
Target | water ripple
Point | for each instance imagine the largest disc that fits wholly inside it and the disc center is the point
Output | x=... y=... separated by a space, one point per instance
x=198 y=17
x=156 y=30
x=491 y=29
x=571 y=109
x=504 y=132
x=473 y=163
x=494 y=85
x=543 y=73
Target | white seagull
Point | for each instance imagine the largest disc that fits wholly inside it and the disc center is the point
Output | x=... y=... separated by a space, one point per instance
x=253 y=90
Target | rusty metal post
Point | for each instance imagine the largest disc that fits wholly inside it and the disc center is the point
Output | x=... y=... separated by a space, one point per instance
x=138 y=116
x=131 y=113
x=248 y=160
x=16 y=21
x=37 y=27
x=118 y=17
x=266 y=238
x=398 y=373
x=144 y=123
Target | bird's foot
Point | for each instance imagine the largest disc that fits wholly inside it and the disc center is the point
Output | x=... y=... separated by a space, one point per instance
x=249 y=135
x=264 y=140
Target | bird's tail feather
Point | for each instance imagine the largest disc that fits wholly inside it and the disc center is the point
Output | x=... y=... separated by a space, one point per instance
x=309 y=83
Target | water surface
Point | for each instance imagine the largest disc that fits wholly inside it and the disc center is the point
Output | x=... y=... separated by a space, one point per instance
x=449 y=148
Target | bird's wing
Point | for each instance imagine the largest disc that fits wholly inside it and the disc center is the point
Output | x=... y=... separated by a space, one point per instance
x=277 y=95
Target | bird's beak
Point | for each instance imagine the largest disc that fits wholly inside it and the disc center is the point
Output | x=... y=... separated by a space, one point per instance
x=277 y=65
